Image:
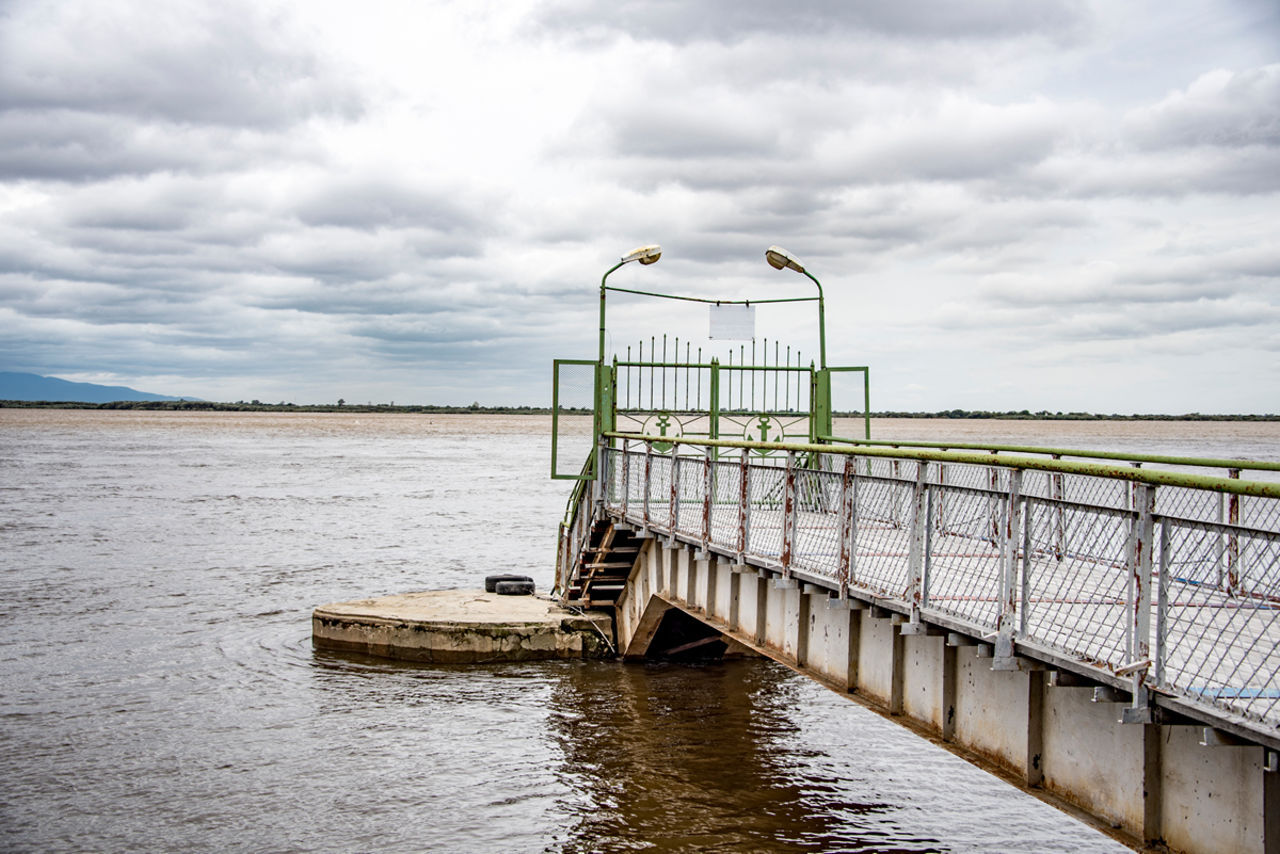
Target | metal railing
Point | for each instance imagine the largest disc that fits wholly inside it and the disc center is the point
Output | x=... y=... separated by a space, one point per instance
x=1232 y=467
x=575 y=529
x=1164 y=582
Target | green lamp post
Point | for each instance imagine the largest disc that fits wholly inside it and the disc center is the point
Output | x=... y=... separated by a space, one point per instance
x=780 y=258
x=821 y=421
x=646 y=255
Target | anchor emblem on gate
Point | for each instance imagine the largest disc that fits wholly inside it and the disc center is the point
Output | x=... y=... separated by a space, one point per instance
x=666 y=425
x=762 y=425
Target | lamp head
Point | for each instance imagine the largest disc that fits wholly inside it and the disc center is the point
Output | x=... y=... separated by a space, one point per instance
x=779 y=258
x=644 y=254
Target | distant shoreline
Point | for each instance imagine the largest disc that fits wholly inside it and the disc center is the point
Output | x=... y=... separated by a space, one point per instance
x=476 y=409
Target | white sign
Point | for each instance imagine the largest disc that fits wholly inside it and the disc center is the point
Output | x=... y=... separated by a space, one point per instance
x=733 y=322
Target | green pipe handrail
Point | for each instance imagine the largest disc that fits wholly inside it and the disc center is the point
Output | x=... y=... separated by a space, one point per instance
x=1154 y=477
x=1198 y=462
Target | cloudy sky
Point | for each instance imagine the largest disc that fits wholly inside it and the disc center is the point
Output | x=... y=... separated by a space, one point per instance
x=1062 y=205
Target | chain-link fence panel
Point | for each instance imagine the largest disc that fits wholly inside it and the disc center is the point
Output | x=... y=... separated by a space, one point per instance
x=1218 y=625
x=657 y=498
x=766 y=495
x=883 y=535
x=817 y=546
x=1077 y=599
x=726 y=492
x=689 y=495
x=962 y=573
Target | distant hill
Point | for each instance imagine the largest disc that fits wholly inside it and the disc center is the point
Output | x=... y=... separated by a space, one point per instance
x=16 y=386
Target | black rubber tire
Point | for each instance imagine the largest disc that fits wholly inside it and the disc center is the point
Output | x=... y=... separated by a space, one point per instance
x=514 y=588
x=490 y=581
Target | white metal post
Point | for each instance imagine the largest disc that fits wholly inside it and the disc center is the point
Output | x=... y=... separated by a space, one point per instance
x=1009 y=540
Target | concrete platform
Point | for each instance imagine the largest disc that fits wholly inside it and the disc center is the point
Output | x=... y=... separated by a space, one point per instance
x=462 y=627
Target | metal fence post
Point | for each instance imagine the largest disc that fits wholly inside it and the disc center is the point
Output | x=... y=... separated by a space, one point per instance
x=1057 y=493
x=706 y=499
x=1162 y=602
x=895 y=517
x=940 y=513
x=915 y=554
x=602 y=473
x=713 y=415
x=789 y=514
x=626 y=475
x=1024 y=598
x=1006 y=624
x=848 y=484
x=562 y=549
x=995 y=503
x=648 y=479
x=744 y=505
x=917 y=550
x=1139 y=627
x=1133 y=489
x=1233 y=541
x=673 y=514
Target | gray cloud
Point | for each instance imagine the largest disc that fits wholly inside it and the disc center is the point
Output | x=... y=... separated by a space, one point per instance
x=179 y=62
x=89 y=91
x=371 y=201
x=280 y=205
x=73 y=146
x=731 y=20
x=1221 y=108
x=1170 y=173
x=683 y=132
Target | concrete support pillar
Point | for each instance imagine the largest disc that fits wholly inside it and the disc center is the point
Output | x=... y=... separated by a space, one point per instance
x=1152 y=784
x=1270 y=801
x=802 y=629
x=713 y=574
x=762 y=607
x=855 y=648
x=1035 y=728
x=735 y=590
x=897 y=684
x=948 y=692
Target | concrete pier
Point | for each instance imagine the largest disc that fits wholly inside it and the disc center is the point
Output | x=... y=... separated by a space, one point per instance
x=461 y=627
x=1170 y=784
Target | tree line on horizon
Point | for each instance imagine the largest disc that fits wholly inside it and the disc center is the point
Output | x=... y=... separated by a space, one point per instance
x=445 y=409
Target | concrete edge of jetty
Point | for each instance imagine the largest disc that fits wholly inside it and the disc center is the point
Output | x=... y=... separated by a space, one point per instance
x=462 y=627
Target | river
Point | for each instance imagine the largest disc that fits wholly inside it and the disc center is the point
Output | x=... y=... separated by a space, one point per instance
x=159 y=691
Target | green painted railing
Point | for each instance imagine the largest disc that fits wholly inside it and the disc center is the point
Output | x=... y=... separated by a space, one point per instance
x=1154 y=477
x=1156 y=459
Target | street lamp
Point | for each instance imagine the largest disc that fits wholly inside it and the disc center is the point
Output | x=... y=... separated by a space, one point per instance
x=779 y=259
x=646 y=255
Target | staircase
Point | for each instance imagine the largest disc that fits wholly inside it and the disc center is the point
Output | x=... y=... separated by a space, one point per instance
x=603 y=566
